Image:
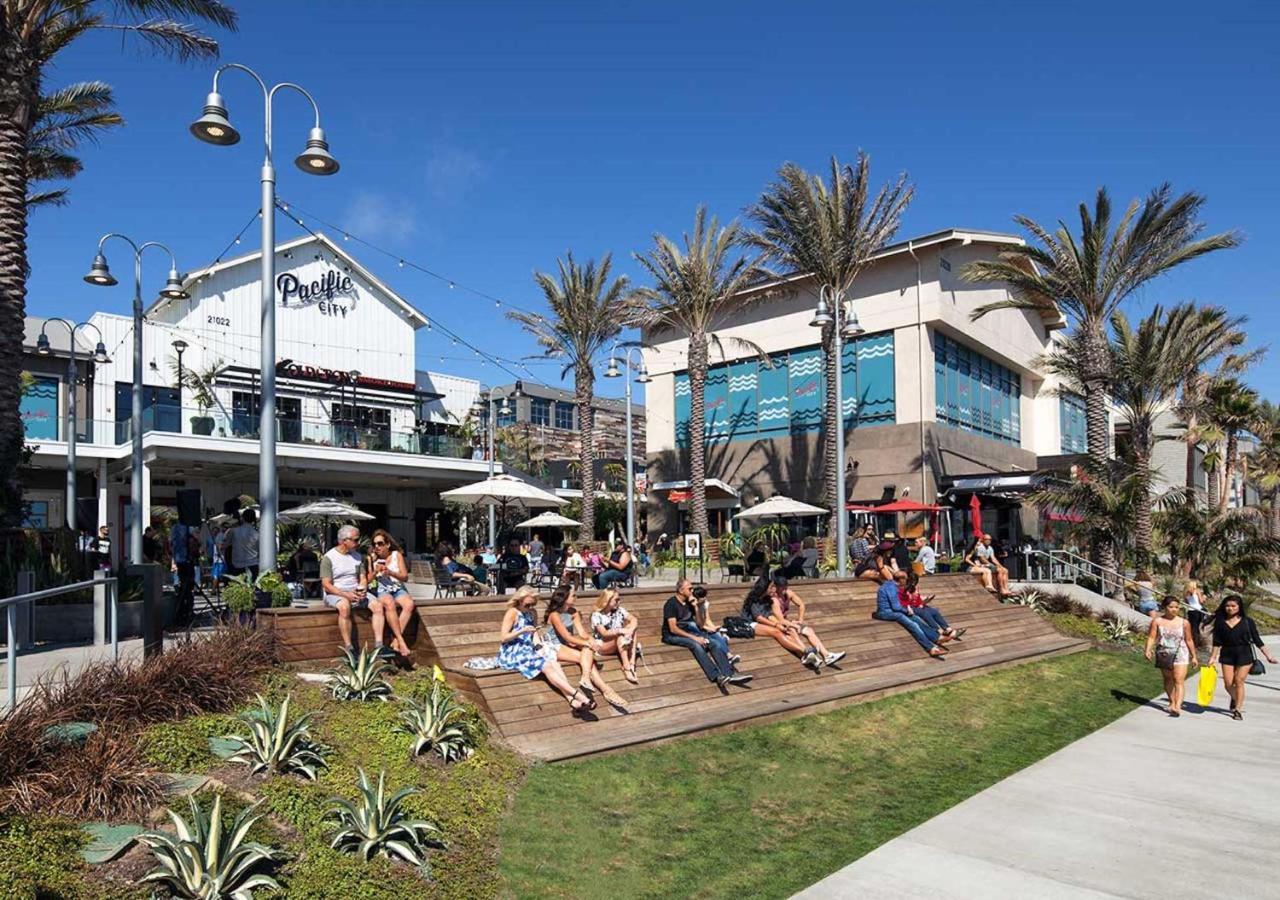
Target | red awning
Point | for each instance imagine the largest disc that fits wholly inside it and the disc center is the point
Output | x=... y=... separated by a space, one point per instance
x=897 y=506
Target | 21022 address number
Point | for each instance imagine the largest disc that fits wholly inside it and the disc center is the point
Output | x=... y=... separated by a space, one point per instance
x=219 y=320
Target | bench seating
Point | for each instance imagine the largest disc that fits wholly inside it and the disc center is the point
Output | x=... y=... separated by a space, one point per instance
x=673 y=697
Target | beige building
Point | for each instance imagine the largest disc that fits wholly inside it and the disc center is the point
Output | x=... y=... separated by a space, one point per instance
x=929 y=394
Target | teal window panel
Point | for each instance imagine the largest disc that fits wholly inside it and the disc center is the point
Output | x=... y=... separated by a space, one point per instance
x=806 y=390
x=974 y=393
x=773 y=398
x=683 y=409
x=876 y=389
x=744 y=379
x=39 y=409
x=716 y=394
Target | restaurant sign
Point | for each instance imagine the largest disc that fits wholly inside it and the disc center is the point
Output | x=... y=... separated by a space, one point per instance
x=333 y=294
x=287 y=368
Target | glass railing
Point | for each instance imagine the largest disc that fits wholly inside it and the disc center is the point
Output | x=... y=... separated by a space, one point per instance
x=217 y=423
x=91 y=431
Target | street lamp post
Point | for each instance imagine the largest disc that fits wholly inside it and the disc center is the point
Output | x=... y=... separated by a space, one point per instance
x=491 y=400
x=831 y=311
x=100 y=357
x=179 y=347
x=173 y=289
x=354 y=418
x=214 y=127
x=643 y=378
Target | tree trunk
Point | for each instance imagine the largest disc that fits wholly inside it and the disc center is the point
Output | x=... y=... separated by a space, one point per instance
x=1142 y=528
x=1093 y=345
x=1213 y=483
x=19 y=86
x=1274 y=526
x=697 y=435
x=584 y=391
x=1228 y=469
x=830 y=460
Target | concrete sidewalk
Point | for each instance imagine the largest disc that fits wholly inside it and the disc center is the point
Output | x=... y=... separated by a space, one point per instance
x=1149 y=807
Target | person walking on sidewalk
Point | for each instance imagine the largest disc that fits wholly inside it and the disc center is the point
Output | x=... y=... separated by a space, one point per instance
x=1171 y=644
x=1235 y=636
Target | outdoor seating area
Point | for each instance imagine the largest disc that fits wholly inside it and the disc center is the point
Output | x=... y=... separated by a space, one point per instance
x=672 y=699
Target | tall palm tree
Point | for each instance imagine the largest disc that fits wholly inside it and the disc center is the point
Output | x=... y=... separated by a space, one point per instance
x=695 y=287
x=1191 y=409
x=587 y=312
x=1265 y=469
x=1147 y=366
x=32 y=34
x=1232 y=408
x=829 y=231
x=1088 y=278
x=65 y=119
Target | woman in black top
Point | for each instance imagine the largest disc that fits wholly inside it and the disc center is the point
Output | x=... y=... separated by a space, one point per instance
x=1234 y=637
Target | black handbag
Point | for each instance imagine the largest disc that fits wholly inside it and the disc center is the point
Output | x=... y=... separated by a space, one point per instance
x=739 y=627
x=1257 y=668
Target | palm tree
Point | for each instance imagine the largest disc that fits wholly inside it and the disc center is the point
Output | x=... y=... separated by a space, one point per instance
x=1231 y=408
x=695 y=287
x=829 y=231
x=587 y=312
x=65 y=119
x=32 y=34
x=1221 y=549
x=1147 y=366
x=1266 y=463
x=1089 y=277
x=1191 y=409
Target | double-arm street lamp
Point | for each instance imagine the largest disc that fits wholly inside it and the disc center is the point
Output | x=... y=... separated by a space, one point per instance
x=642 y=377
x=100 y=357
x=834 y=310
x=173 y=289
x=213 y=127
x=496 y=406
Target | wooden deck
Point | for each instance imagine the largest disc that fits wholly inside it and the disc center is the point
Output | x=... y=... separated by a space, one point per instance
x=673 y=698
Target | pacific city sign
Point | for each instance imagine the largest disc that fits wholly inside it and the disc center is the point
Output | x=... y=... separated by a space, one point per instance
x=323 y=293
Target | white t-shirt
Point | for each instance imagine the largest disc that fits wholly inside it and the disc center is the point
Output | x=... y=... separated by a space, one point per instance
x=244 y=545
x=343 y=569
x=928 y=559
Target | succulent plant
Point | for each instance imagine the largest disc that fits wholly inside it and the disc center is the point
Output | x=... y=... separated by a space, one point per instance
x=375 y=824
x=439 y=723
x=207 y=861
x=1116 y=630
x=275 y=746
x=360 y=675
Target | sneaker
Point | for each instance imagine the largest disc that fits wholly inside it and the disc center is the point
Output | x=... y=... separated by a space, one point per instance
x=383 y=652
x=833 y=658
x=811 y=660
x=723 y=681
x=735 y=659
x=739 y=679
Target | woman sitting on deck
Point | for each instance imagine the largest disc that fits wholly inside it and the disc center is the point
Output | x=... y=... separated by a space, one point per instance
x=522 y=651
x=616 y=629
x=918 y=606
x=875 y=566
x=573 y=643
x=760 y=609
x=787 y=601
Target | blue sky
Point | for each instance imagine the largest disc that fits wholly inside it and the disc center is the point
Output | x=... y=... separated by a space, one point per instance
x=485 y=139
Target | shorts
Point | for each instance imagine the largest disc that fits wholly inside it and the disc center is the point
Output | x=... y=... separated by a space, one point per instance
x=395 y=591
x=1236 y=656
x=332 y=601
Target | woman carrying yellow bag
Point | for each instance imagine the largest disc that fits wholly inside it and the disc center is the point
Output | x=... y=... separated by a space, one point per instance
x=1208 y=684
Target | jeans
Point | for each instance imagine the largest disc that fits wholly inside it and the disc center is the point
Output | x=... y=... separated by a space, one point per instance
x=608 y=577
x=713 y=658
x=926 y=635
x=928 y=615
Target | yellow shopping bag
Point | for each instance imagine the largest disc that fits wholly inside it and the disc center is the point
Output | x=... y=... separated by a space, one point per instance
x=1208 y=683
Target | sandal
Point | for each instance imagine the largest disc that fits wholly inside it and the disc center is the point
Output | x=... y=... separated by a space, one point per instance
x=630 y=675
x=589 y=692
x=576 y=704
x=616 y=700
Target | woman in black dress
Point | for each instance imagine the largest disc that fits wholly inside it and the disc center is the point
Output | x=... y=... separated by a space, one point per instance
x=1234 y=637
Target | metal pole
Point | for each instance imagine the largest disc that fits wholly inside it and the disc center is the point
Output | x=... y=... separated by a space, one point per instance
x=113 y=589
x=71 y=437
x=631 y=491
x=493 y=519
x=267 y=361
x=842 y=537
x=12 y=656
x=135 y=419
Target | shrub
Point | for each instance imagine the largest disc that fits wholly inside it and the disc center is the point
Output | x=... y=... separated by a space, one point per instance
x=375 y=824
x=273 y=584
x=237 y=593
x=206 y=860
x=1115 y=629
x=276 y=747
x=438 y=723
x=1032 y=599
x=39 y=857
x=1053 y=602
x=323 y=873
x=183 y=746
x=360 y=676
x=302 y=805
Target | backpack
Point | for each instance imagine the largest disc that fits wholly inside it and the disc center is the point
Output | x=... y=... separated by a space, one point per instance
x=739 y=627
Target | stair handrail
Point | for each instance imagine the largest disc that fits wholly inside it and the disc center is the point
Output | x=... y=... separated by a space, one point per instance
x=1082 y=565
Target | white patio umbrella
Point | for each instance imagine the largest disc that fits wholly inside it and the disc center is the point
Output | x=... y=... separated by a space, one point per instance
x=779 y=506
x=324 y=509
x=501 y=490
x=549 y=519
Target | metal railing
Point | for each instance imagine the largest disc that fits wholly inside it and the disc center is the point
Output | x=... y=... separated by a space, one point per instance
x=1065 y=567
x=11 y=605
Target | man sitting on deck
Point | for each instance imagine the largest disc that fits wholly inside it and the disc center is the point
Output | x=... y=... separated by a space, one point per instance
x=680 y=628
x=889 y=608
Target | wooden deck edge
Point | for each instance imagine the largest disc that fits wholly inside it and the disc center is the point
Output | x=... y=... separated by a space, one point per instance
x=819 y=707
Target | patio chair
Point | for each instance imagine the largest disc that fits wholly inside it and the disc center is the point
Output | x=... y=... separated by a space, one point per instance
x=446 y=584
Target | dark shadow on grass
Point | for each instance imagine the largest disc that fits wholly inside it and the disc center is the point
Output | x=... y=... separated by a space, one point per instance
x=1135 y=699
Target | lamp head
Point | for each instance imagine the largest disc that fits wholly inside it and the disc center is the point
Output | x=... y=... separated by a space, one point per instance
x=180 y=346
x=42 y=344
x=519 y=389
x=99 y=273
x=612 y=371
x=316 y=159
x=821 y=315
x=173 y=289
x=644 y=377
x=213 y=127
x=852 y=327
x=100 y=354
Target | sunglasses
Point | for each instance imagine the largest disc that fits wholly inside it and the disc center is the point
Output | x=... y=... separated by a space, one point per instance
x=379 y=543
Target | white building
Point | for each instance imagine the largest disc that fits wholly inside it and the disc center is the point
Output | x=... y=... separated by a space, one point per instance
x=932 y=397
x=353 y=412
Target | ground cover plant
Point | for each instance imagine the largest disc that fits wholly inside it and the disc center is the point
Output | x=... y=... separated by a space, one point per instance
x=767 y=811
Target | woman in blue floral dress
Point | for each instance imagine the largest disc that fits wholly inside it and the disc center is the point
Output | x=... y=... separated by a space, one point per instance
x=523 y=652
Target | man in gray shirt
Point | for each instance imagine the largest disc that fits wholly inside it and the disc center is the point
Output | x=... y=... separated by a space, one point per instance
x=926 y=556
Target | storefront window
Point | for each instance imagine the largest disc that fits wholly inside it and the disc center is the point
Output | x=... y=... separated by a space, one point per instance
x=246 y=412
x=37 y=514
x=976 y=394
x=540 y=411
x=161 y=409
x=564 y=416
x=1071 y=421
x=39 y=409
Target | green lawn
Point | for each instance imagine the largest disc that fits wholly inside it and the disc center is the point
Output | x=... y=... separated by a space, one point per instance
x=766 y=811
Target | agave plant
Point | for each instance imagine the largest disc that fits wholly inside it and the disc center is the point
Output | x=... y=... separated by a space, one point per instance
x=207 y=861
x=274 y=745
x=375 y=823
x=439 y=723
x=360 y=676
x=1116 y=630
x=1031 y=599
